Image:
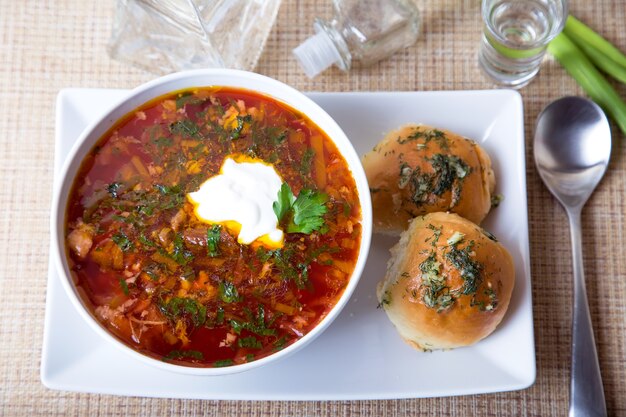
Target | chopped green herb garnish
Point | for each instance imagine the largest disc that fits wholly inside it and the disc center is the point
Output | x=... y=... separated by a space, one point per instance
x=223 y=362
x=276 y=134
x=124 y=286
x=456 y=194
x=448 y=168
x=219 y=316
x=213 y=240
x=422 y=186
x=146 y=242
x=187 y=98
x=171 y=197
x=307 y=159
x=113 y=189
x=493 y=299
x=123 y=219
x=449 y=172
x=185 y=128
x=145 y=210
x=241 y=120
x=181 y=354
x=263 y=254
x=122 y=241
x=421 y=183
x=250 y=342
x=436 y=234
x=313 y=255
x=236 y=325
x=165 y=190
x=436 y=293
x=280 y=343
x=162 y=142
x=428 y=135
x=178 y=307
x=469 y=269
x=180 y=254
x=303 y=276
x=405 y=175
x=283 y=261
x=255 y=324
x=228 y=292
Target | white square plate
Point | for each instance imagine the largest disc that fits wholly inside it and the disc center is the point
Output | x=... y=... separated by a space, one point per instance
x=360 y=356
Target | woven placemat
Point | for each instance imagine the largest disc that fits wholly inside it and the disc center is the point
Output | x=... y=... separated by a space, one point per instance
x=46 y=46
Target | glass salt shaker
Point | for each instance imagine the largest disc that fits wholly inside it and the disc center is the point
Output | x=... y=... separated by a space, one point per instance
x=361 y=30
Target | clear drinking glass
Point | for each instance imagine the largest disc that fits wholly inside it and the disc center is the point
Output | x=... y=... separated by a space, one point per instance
x=516 y=34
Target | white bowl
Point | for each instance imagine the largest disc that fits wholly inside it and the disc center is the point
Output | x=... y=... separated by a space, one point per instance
x=160 y=87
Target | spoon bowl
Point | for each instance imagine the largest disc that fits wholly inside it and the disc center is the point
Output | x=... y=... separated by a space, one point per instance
x=572 y=148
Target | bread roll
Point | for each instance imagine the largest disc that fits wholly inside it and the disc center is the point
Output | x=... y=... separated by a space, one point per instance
x=448 y=283
x=417 y=169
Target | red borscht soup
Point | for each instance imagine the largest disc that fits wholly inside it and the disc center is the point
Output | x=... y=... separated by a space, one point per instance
x=190 y=290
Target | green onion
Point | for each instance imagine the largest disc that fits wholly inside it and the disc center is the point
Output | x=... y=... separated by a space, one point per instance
x=582 y=34
x=607 y=65
x=124 y=286
x=589 y=78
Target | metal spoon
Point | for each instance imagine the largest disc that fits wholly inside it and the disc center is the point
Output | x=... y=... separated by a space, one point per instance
x=572 y=149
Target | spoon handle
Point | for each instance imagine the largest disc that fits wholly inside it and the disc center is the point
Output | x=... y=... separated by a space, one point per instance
x=586 y=391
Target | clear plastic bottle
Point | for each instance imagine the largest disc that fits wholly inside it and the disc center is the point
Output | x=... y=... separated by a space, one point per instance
x=362 y=30
x=162 y=36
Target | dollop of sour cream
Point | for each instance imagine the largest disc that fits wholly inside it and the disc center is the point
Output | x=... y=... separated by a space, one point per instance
x=241 y=198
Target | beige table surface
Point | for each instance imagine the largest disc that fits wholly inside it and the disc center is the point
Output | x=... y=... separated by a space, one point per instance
x=49 y=45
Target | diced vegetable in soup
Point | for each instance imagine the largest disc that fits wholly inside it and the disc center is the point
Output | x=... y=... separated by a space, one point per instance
x=213 y=227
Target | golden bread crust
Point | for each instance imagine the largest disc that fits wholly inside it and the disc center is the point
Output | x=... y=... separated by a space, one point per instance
x=448 y=283
x=418 y=169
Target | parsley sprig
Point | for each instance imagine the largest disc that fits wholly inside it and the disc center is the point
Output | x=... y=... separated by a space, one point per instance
x=302 y=214
x=213 y=240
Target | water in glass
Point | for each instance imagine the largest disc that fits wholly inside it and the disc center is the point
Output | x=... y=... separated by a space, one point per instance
x=516 y=34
